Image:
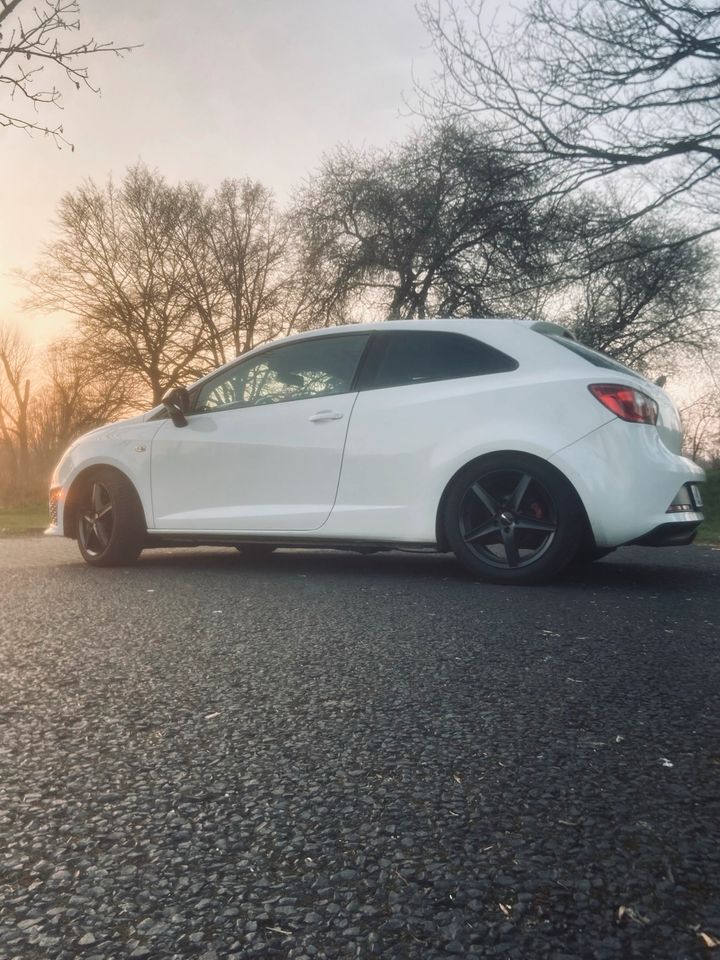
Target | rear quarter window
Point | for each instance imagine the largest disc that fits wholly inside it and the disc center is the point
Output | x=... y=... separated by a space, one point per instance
x=594 y=356
x=419 y=356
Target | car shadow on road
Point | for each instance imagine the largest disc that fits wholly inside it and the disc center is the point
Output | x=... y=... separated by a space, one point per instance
x=625 y=574
x=632 y=567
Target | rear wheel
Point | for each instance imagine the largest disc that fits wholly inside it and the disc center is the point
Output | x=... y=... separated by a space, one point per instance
x=512 y=518
x=110 y=522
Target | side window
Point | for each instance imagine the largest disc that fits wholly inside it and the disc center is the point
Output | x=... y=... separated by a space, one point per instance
x=595 y=357
x=420 y=356
x=298 y=371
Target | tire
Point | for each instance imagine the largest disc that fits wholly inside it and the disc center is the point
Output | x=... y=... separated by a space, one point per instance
x=110 y=522
x=255 y=551
x=512 y=518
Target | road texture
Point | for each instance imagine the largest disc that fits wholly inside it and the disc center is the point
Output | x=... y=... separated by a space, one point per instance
x=330 y=756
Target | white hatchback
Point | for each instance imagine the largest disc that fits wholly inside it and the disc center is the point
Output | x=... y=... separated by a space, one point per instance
x=505 y=441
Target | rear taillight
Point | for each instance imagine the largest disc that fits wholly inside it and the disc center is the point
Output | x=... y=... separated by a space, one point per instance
x=626 y=402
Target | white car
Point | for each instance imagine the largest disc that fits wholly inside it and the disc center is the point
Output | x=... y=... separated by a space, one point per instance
x=505 y=441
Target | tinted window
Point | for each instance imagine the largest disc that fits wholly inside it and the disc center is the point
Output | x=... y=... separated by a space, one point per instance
x=418 y=356
x=298 y=371
x=594 y=356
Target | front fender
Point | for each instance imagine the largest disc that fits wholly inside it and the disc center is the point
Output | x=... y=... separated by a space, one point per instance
x=125 y=447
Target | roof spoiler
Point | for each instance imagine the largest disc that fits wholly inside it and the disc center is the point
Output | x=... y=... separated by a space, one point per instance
x=552 y=329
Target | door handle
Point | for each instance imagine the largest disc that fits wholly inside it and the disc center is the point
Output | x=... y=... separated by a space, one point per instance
x=323 y=415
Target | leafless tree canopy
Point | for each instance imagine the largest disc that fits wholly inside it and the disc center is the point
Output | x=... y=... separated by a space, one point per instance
x=166 y=282
x=640 y=291
x=449 y=223
x=116 y=270
x=595 y=86
x=47 y=399
x=72 y=397
x=15 y=370
x=440 y=224
x=42 y=50
x=701 y=426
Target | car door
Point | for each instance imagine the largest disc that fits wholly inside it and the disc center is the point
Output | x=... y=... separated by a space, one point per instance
x=419 y=390
x=263 y=445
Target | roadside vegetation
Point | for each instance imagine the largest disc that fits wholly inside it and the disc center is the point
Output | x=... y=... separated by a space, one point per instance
x=28 y=519
x=710 y=531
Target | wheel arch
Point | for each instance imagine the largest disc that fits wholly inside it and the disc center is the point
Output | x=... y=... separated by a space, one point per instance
x=588 y=540
x=71 y=501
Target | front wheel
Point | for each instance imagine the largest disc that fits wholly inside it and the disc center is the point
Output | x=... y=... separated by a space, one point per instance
x=110 y=522
x=511 y=518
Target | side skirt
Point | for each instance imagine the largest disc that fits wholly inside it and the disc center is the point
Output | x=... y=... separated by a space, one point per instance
x=315 y=543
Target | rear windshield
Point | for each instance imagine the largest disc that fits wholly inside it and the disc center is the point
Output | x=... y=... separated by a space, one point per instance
x=594 y=356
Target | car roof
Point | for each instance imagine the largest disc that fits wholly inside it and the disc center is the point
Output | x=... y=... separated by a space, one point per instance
x=435 y=323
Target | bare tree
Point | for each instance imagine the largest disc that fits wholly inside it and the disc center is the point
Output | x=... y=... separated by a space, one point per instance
x=701 y=424
x=41 y=48
x=439 y=224
x=116 y=268
x=15 y=396
x=450 y=224
x=73 y=397
x=43 y=407
x=166 y=282
x=240 y=264
x=642 y=292
x=595 y=87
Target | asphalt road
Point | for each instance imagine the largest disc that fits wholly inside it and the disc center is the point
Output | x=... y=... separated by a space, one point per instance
x=324 y=755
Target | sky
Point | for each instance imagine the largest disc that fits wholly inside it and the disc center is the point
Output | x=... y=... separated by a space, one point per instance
x=222 y=88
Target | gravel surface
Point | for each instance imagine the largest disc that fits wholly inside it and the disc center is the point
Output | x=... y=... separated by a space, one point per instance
x=322 y=755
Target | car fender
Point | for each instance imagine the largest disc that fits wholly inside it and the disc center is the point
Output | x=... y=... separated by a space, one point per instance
x=124 y=447
x=512 y=436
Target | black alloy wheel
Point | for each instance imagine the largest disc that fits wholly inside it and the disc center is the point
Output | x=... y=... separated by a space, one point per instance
x=95 y=525
x=513 y=519
x=110 y=522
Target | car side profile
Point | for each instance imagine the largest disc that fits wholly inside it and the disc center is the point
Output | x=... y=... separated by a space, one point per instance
x=503 y=441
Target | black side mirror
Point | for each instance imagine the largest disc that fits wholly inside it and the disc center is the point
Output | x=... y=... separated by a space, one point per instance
x=177 y=403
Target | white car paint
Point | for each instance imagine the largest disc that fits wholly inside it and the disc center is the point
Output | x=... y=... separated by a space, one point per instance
x=376 y=472
x=272 y=467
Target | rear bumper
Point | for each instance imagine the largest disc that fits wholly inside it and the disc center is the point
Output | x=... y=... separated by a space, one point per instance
x=677 y=534
x=627 y=479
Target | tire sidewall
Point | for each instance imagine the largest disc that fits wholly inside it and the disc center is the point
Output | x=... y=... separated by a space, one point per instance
x=128 y=529
x=570 y=519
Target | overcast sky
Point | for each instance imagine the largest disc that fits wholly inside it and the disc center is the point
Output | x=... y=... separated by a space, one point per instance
x=220 y=88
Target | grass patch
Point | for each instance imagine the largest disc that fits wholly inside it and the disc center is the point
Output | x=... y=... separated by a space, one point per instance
x=27 y=519
x=709 y=532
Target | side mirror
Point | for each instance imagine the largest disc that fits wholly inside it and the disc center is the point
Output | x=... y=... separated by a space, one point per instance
x=177 y=403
